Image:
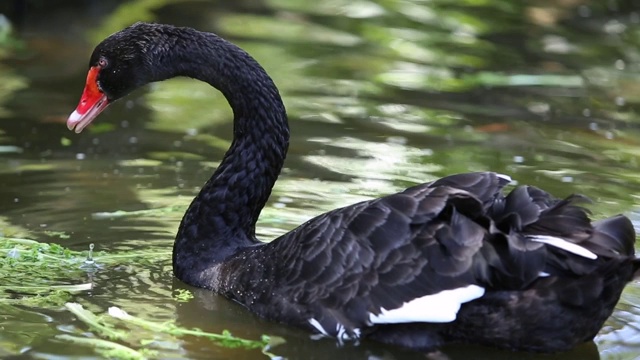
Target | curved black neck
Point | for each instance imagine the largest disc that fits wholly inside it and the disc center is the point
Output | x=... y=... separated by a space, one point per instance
x=222 y=218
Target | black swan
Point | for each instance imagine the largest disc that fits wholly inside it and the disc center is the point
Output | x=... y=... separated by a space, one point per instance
x=454 y=260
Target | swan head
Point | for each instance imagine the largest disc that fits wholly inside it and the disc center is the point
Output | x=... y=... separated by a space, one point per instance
x=119 y=64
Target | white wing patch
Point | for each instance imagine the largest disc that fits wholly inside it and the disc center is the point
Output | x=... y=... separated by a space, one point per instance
x=341 y=332
x=505 y=177
x=564 y=245
x=437 y=308
x=318 y=327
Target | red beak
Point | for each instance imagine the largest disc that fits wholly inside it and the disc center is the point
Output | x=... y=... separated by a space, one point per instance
x=92 y=102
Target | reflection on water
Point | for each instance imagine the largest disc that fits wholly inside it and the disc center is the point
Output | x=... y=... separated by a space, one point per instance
x=381 y=95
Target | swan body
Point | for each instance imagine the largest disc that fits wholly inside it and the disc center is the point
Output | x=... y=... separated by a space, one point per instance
x=454 y=260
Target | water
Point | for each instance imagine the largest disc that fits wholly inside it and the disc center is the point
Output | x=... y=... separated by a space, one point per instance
x=381 y=95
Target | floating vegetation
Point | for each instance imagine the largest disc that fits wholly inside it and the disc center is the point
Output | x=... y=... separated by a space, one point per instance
x=182 y=295
x=146 y=333
x=108 y=349
x=116 y=334
x=49 y=266
x=57 y=234
x=96 y=323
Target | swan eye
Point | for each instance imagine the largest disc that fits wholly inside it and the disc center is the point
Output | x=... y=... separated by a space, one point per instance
x=103 y=63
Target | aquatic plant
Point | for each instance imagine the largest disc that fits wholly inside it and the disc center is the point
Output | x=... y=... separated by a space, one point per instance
x=116 y=334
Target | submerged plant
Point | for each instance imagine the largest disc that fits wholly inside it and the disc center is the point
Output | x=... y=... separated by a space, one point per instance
x=43 y=282
x=146 y=332
x=49 y=266
x=182 y=295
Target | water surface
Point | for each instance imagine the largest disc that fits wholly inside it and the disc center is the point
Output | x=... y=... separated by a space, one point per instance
x=381 y=95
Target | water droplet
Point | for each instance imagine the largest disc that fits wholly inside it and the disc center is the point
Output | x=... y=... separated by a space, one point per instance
x=586 y=112
x=518 y=159
x=620 y=64
x=593 y=126
x=124 y=124
x=620 y=101
x=95 y=141
x=89 y=259
x=177 y=143
x=567 y=179
x=133 y=140
x=15 y=200
x=80 y=156
x=192 y=132
x=609 y=135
